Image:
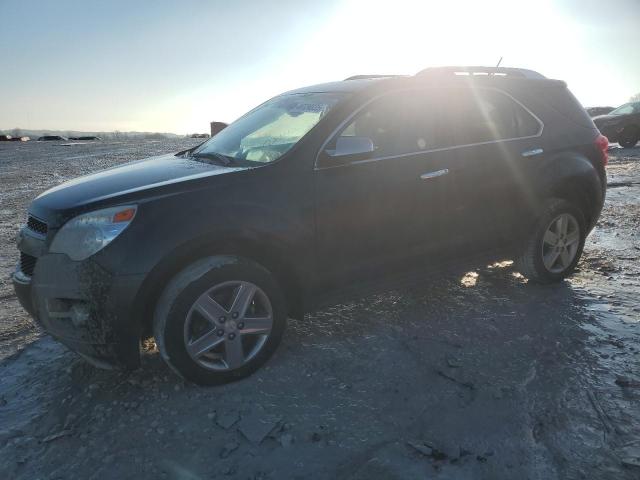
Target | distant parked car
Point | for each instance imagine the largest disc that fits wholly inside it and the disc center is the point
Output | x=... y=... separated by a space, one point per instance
x=596 y=111
x=86 y=138
x=622 y=125
x=19 y=139
x=200 y=135
x=51 y=138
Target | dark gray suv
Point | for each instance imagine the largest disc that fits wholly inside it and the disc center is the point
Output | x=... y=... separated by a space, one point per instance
x=317 y=195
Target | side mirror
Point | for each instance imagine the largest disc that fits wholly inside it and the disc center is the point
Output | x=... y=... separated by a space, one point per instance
x=348 y=149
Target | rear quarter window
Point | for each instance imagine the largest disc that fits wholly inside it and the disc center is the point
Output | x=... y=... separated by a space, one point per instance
x=476 y=115
x=555 y=96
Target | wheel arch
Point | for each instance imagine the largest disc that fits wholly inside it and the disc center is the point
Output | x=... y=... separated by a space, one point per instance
x=576 y=180
x=269 y=253
x=631 y=127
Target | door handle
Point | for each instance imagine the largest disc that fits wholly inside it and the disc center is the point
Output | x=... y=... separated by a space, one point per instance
x=434 y=174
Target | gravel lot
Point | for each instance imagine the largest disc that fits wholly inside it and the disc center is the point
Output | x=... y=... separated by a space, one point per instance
x=482 y=377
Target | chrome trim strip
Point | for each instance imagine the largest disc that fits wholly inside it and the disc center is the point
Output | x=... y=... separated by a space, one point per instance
x=455 y=147
x=434 y=174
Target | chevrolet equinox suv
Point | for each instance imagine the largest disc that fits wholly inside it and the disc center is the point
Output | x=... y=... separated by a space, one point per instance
x=314 y=196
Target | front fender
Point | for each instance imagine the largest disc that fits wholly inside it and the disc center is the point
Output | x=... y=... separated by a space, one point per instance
x=280 y=239
x=292 y=269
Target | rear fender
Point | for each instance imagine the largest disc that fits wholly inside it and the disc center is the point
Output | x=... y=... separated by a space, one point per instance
x=573 y=177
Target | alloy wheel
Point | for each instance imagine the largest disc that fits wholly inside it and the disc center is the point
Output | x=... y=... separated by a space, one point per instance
x=228 y=325
x=560 y=243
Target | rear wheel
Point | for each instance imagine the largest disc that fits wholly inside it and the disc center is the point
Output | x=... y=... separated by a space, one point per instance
x=629 y=137
x=555 y=243
x=219 y=320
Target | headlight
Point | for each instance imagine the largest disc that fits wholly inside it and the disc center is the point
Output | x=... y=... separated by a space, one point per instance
x=89 y=233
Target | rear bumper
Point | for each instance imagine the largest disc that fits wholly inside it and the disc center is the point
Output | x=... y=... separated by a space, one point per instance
x=85 y=308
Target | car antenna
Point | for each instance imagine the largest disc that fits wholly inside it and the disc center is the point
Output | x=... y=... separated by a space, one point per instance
x=499 y=62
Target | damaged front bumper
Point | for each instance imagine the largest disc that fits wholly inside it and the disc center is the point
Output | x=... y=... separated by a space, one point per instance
x=81 y=304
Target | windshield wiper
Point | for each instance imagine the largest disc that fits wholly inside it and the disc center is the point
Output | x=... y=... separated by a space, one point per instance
x=226 y=160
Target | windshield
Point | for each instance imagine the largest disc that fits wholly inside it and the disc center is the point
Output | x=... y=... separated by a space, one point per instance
x=270 y=130
x=626 y=109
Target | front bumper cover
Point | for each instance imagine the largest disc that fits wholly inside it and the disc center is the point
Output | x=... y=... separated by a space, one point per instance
x=84 y=307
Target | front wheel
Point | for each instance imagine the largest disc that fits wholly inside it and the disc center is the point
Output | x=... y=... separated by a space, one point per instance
x=555 y=243
x=219 y=320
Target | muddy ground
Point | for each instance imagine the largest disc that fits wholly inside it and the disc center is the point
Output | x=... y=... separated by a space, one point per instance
x=482 y=377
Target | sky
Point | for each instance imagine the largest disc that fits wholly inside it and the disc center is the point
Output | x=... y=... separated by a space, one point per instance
x=174 y=66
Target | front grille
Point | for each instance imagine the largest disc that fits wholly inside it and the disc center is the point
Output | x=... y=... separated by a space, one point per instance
x=36 y=225
x=27 y=264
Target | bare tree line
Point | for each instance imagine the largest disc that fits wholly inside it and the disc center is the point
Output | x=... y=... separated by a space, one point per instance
x=114 y=135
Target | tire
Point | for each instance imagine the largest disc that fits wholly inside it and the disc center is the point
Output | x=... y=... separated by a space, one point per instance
x=536 y=258
x=629 y=137
x=199 y=332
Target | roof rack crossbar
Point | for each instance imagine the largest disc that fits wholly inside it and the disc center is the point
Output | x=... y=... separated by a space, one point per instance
x=481 y=71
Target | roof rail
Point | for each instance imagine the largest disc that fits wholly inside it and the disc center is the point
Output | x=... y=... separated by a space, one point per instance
x=364 y=77
x=480 y=71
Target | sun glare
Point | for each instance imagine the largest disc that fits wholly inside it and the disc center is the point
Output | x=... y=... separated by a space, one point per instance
x=402 y=37
x=407 y=35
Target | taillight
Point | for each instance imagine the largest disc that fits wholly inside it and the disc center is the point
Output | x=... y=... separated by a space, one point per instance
x=602 y=143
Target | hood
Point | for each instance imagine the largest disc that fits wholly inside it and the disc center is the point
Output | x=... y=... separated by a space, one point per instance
x=130 y=178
